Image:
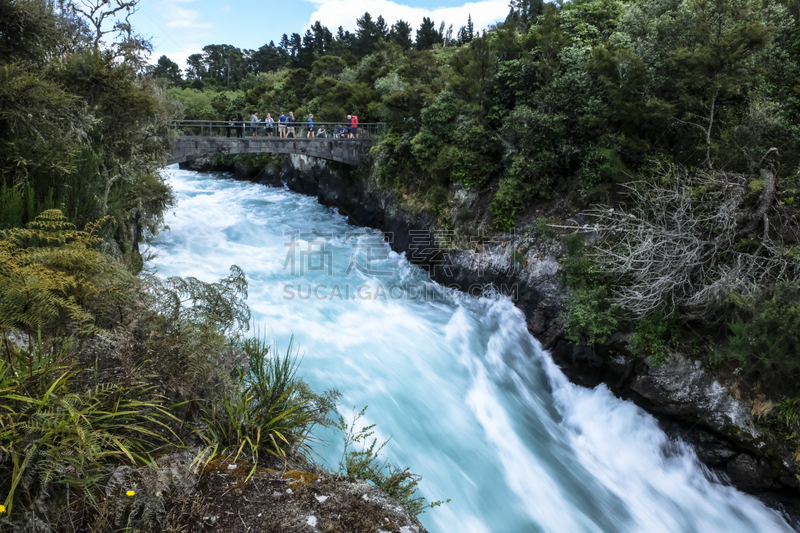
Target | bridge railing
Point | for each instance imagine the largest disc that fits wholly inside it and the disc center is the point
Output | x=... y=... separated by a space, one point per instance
x=222 y=128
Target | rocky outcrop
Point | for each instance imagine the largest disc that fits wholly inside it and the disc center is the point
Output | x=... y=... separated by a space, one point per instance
x=294 y=501
x=689 y=404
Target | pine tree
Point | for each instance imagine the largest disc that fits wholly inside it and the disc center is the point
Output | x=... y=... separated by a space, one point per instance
x=285 y=44
x=382 y=29
x=400 y=34
x=526 y=11
x=367 y=34
x=427 y=36
x=167 y=69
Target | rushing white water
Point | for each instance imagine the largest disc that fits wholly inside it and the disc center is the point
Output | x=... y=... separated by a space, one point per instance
x=471 y=401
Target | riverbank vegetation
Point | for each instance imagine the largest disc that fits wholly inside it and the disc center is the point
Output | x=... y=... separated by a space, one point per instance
x=670 y=124
x=80 y=129
x=119 y=389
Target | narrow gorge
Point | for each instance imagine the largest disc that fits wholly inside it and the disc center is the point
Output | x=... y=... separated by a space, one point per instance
x=559 y=451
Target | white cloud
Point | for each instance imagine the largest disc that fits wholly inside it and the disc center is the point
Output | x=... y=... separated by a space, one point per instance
x=177 y=28
x=179 y=16
x=335 y=13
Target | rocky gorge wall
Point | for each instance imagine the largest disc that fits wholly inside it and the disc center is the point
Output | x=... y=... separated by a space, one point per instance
x=686 y=400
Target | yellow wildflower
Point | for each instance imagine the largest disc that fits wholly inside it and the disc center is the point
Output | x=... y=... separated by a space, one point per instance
x=130 y=493
x=2 y=509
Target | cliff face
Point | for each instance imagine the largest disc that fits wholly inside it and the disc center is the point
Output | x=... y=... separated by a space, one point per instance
x=688 y=402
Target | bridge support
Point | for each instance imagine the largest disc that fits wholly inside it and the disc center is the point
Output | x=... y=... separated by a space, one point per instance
x=348 y=151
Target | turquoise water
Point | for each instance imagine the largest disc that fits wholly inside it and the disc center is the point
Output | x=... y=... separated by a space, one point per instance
x=468 y=397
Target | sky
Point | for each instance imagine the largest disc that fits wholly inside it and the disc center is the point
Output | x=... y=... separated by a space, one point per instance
x=179 y=28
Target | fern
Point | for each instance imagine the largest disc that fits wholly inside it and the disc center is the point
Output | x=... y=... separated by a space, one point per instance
x=57 y=436
x=50 y=272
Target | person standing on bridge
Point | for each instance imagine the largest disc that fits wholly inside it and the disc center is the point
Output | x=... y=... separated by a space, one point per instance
x=268 y=123
x=290 y=125
x=282 y=126
x=239 y=126
x=310 y=129
x=228 y=123
x=254 y=123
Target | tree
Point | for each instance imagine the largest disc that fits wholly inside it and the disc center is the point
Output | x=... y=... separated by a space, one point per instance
x=345 y=40
x=321 y=40
x=268 y=58
x=427 y=36
x=224 y=62
x=285 y=44
x=382 y=29
x=112 y=17
x=526 y=12
x=306 y=54
x=400 y=34
x=295 y=44
x=168 y=69
x=448 y=37
x=716 y=61
x=368 y=34
x=195 y=67
x=467 y=33
x=27 y=32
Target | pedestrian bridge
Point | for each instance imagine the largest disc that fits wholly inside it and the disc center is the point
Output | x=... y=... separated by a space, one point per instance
x=347 y=151
x=197 y=139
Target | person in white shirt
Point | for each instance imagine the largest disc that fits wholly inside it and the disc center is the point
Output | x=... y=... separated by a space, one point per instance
x=268 y=125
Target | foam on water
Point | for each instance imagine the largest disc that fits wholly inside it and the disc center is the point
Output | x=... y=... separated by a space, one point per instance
x=471 y=401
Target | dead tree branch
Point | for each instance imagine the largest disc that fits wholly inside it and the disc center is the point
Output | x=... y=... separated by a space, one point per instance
x=681 y=248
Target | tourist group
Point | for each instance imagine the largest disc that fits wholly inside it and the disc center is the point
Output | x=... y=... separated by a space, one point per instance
x=287 y=126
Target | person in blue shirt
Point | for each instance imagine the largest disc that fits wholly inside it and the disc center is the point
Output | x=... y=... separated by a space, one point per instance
x=254 y=124
x=282 y=126
x=310 y=130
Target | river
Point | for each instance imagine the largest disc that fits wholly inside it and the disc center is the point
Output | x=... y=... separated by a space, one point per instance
x=469 y=398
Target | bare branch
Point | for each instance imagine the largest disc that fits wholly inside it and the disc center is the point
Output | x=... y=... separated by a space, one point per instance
x=679 y=248
x=112 y=17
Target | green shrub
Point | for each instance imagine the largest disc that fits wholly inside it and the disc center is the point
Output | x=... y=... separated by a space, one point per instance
x=519 y=258
x=361 y=460
x=464 y=213
x=653 y=333
x=438 y=125
x=766 y=334
x=590 y=316
x=511 y=199
x=788 y=411
x=543 y=229
x=12 y=206
x=437 y=197
x=575 y=265
x=51 y=275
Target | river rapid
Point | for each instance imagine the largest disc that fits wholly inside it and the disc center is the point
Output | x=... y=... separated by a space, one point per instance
x=469 y=398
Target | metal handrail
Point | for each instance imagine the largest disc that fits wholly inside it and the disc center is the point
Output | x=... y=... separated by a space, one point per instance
x=223 y=128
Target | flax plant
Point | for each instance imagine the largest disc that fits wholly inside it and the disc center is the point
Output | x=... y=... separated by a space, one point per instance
x=269 y=413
